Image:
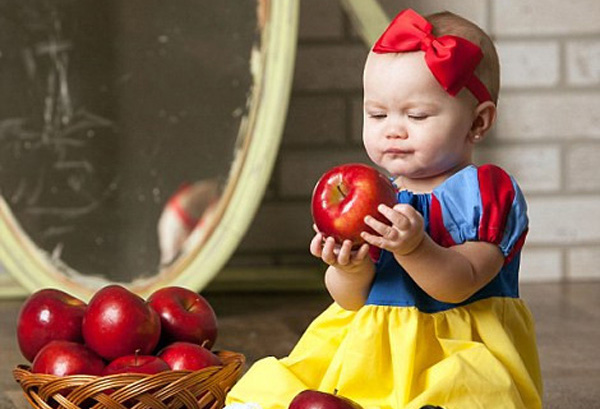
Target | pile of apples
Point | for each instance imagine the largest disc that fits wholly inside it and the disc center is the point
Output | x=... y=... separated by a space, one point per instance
x=117 y=332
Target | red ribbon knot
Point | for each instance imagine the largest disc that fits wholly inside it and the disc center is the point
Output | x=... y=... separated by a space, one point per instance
x=451 y=59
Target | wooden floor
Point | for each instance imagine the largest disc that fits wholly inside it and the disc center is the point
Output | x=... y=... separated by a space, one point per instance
x=567 y=317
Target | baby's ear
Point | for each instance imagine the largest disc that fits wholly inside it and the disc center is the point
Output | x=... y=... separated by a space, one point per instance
x=484 y=118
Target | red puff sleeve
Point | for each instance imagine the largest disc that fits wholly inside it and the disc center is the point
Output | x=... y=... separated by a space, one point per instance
x=502 y=205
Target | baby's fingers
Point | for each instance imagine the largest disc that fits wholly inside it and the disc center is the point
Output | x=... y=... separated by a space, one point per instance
x=389 y=232
x=345 y=254
x=316 y=245
x=373 y=240
x=396 y=216
x=414 y=219
x=328 y=254
x=362 y=253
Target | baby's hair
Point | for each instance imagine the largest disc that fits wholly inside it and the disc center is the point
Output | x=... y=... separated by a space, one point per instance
x=488 y=70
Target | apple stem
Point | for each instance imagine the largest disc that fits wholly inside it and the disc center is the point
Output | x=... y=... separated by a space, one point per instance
x=339 y=188
x=335 y=392
x=204 y=343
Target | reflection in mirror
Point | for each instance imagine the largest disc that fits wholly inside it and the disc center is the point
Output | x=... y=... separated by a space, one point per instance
x=185 y=217
x=115 y=115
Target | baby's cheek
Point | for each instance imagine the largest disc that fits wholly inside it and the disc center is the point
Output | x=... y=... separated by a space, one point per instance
x=374 y=154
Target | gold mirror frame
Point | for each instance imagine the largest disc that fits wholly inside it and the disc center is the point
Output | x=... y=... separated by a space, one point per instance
x=259 y=137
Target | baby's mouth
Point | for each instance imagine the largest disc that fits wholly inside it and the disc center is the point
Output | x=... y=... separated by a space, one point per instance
x=398 y=152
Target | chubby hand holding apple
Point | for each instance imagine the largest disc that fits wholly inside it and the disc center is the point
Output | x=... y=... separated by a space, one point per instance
x=345 y=195
x=342 y=199
x=403 y=233
x=354 y=204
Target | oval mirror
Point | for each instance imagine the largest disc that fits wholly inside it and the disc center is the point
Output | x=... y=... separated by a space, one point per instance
x=136 y=137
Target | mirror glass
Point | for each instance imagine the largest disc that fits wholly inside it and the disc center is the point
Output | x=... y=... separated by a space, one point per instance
x=120 y=120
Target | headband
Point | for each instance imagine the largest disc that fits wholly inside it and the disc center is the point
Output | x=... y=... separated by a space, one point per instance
x=184 y=216
x=452 y=60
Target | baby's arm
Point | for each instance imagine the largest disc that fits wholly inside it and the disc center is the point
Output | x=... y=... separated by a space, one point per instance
x=452 y=274
x=446 y=274
x=350 y=273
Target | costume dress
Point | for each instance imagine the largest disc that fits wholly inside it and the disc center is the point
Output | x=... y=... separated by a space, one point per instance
x=403 y=349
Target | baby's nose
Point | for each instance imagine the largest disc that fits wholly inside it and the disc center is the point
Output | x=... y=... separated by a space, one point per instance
x=396 y=132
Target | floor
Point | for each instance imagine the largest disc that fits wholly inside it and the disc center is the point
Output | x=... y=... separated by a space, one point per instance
x=567 y=316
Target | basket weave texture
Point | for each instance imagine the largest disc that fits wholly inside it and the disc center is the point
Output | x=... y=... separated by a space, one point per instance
x=203 y=389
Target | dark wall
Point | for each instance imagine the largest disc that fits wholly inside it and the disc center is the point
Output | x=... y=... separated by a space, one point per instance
x=106 y=109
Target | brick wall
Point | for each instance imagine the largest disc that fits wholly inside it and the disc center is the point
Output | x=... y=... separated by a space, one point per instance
x=547 y=135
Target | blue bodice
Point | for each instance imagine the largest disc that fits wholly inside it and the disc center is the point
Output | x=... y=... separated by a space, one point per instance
x=463 y=204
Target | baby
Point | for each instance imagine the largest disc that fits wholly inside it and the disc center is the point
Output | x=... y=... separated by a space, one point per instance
x=436 y=319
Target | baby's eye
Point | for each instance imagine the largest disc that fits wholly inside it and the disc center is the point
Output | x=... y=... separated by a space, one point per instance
x=418 y=116
x=377 y=115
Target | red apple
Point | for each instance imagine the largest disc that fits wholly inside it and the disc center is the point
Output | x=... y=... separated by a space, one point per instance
x=189 y=357
x=311 y=399
x=48 y=315
x=64 y=358
x=144 y=364
x=184 y=316
x=118 y=322
x=344 y=195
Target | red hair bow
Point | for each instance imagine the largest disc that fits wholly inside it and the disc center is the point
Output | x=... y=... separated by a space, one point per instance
x=452 y=60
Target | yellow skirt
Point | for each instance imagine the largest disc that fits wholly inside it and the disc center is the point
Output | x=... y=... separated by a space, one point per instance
x=482 y=355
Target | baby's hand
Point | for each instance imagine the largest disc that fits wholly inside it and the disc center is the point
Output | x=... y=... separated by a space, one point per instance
x=341 y=257
x=404 y=234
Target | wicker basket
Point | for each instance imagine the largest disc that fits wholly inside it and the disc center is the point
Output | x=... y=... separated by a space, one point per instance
x=203 y=389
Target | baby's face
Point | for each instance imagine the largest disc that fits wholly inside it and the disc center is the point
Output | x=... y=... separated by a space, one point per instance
x=412 y=127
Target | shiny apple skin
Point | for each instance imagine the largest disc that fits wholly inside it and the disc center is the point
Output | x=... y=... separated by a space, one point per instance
x=312 y=399
x=63 y=358
x=48 y=315
x=184 y=316
x=118 y=322
x=140 y=364
x=185 y=356
x=345 y=195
